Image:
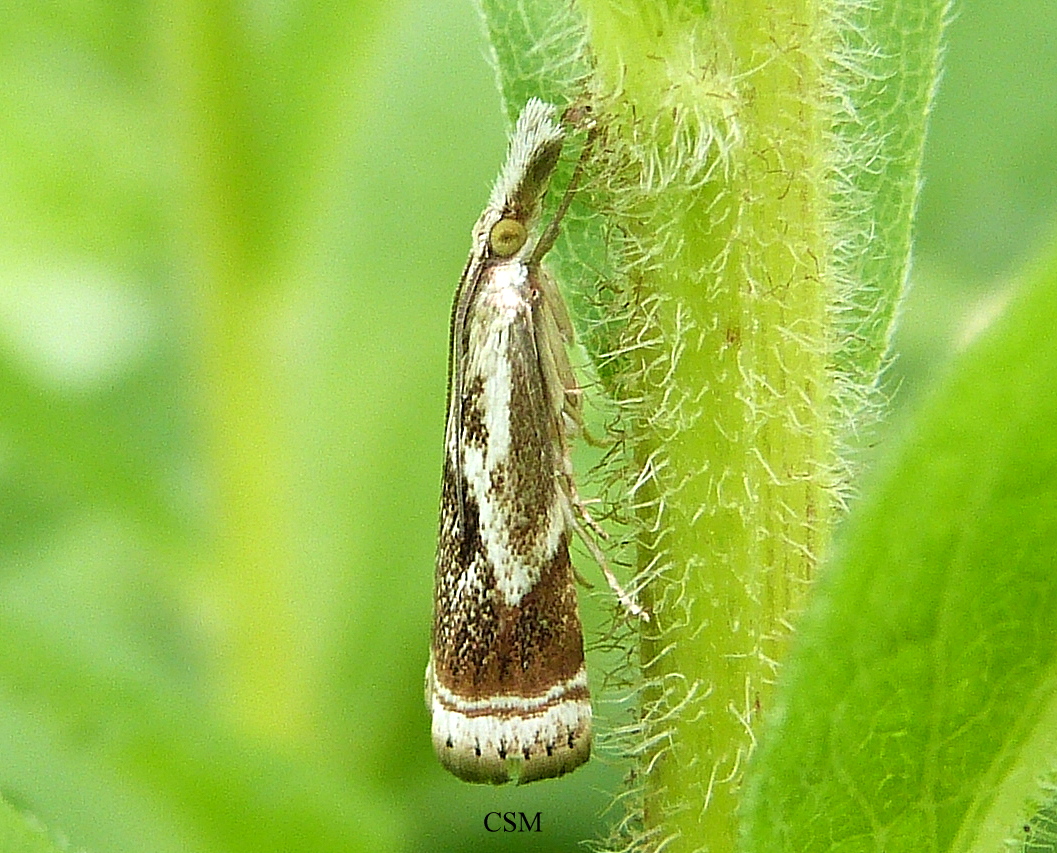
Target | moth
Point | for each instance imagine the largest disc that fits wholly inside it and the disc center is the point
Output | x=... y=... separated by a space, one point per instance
x=506 y=683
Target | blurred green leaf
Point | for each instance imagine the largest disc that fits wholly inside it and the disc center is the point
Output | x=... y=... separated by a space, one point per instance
x=17 y=835
x=989 y=201
x=920 y=707
x=120 y=761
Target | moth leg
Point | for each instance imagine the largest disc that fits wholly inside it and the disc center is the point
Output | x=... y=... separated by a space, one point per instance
x=570 y=422
x=593 y=440
x=582 y=579
x=573 y=502
x=631 y=607
x=577 y=502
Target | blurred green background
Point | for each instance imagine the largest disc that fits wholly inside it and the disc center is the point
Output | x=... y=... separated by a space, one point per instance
x=223 y=329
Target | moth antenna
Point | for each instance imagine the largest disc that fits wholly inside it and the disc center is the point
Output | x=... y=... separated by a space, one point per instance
x=550 y=233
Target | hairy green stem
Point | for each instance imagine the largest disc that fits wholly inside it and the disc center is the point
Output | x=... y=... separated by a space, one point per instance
x=720 y=125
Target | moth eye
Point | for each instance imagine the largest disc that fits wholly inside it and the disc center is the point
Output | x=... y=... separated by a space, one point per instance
x=506 y=237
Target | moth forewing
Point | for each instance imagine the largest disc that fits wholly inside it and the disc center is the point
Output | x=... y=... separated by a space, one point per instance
x=506 y=683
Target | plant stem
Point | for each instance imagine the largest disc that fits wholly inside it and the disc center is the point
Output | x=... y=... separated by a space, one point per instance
x=720 y=161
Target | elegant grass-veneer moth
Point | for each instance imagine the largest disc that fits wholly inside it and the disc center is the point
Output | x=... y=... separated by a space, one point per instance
x=506 y=683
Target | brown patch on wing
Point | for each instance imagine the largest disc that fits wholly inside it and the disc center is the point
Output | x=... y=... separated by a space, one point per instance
x=515 y=651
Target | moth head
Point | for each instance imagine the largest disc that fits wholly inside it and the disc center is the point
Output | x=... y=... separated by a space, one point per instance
x=507 y=237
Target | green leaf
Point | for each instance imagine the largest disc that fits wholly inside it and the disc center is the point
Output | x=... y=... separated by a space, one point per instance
x=885 y=73
x=537 y=50
x=17 y=835
x=118 y=761
x=920 y=709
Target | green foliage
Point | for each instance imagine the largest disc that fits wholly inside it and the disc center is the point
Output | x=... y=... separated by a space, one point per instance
x=884 y=703
x=18 y=835
x=920 y=708
x=230 y=237
x=758 y=172
x=886 y=69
